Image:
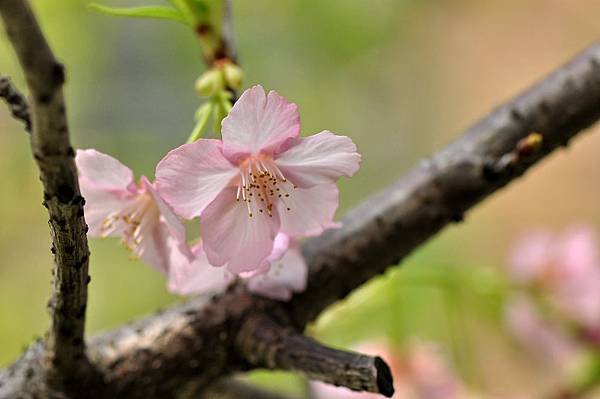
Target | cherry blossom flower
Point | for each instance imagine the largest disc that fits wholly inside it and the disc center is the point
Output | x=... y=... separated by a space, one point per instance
x=117 y=206
x=283 y=273
x=565 y=268
x=422 y=373
x=544 y=338
x=261 y=179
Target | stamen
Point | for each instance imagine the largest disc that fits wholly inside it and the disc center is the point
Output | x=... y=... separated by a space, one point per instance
x=262 y=179
x=264 y=168
x=279 y=173
x=249 y=210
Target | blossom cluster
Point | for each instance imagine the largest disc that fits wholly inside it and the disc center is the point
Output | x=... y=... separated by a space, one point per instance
x=556 y=311
x=256 y=192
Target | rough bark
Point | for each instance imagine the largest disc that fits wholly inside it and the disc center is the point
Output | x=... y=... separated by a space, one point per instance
x=54 y=157
x=16 y=102
x=272 y=346
x=442 y=188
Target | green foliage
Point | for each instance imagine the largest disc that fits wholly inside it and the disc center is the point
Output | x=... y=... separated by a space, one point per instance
x=157 y=12
x=194 y=13
x=217 y=106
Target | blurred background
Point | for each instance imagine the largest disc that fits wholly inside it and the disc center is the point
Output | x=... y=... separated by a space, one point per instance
x=401 y=77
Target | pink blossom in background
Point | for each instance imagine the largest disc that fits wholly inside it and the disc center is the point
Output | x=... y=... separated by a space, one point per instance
x=283 y=273
x=260 y=180
x=542 y=337
x=429 y=376
x=565 y=268
x=117 y=206
x=422 y=373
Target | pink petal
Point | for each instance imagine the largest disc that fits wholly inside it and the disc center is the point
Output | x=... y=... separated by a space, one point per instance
x=99 y=205
x=578 y=291
x=311 y=210
x=578 y=252
x=534 y=332
x=286 y=276
x=531 y=257
x=192 y=175
x=231 y=236
x=103 y=171
x=167 y=215
x=259 y=123
x=430 y=375
x=319 y=159
x=154 y=242
x=280 y=247
x=198 y=276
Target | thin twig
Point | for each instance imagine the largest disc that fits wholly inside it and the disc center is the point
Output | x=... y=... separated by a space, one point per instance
x=227 y=32
x=54 y=156
x=16 y=102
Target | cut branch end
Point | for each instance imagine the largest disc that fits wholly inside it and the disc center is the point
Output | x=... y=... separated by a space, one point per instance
x=265 y=343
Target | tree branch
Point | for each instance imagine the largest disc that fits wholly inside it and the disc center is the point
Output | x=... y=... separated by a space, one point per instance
x=268 y=345
x=439 y=191
x=54 y=156
x=17 y=104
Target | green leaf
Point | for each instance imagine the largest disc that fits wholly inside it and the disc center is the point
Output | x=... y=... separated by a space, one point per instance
x=202 y=115
x=221 y=108
x=157 y=12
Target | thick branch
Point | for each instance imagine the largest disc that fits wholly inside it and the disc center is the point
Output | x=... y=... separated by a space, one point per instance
x=54 y=156
x=266 y=344
x=438 y=192
x=16 y=102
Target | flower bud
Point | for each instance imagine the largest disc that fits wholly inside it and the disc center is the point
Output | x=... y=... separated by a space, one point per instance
x=210 y=82
x=233 y=75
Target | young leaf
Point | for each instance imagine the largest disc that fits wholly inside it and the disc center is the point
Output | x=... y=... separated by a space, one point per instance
x=202 y=115
x=158 y=12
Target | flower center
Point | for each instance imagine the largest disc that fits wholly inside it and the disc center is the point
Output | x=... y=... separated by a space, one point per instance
x=129 y=222
x=262 y=185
